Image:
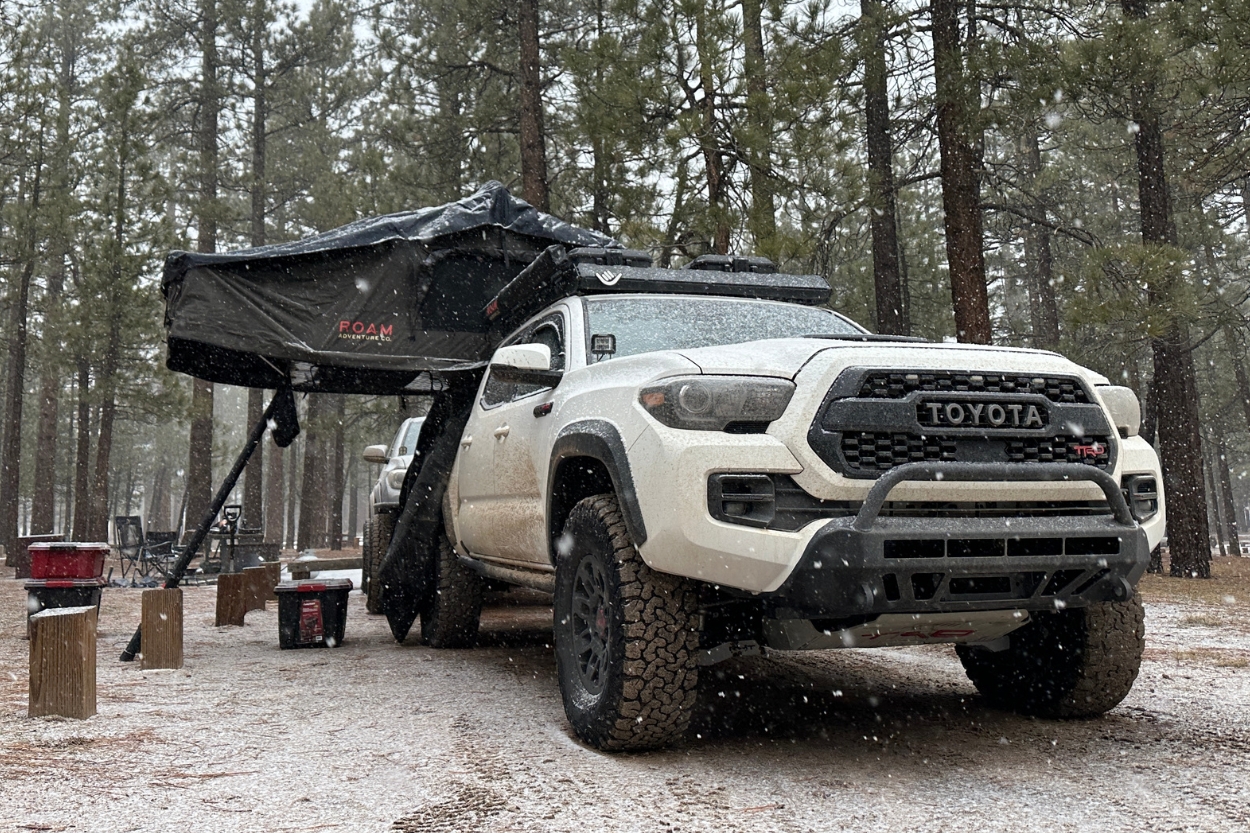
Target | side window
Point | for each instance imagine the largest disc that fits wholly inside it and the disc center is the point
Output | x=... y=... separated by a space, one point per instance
x=496 y=392
x=549 y=331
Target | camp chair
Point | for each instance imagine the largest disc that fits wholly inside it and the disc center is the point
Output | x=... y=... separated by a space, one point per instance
x=141 y=554
x=128 y=532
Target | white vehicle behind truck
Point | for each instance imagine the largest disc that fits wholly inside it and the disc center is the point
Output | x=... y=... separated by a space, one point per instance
x=706 y=462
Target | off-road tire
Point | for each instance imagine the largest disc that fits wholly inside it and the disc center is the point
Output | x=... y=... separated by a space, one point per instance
x=383 y=524
x=1069 y=664
x=366 y=557
x=450 y=619
x=646 y=631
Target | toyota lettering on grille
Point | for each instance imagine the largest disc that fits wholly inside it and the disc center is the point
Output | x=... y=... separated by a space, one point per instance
x=970 y=414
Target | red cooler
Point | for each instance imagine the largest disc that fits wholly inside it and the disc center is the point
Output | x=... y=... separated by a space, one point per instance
x=67 y=560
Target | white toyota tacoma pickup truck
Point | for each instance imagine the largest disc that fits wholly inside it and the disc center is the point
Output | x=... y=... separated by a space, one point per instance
x=706 y=462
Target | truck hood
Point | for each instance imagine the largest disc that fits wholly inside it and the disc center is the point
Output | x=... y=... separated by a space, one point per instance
x=785 y=357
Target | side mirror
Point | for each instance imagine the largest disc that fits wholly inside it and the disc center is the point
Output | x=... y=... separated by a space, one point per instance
x=376 y=454
x=526 y=364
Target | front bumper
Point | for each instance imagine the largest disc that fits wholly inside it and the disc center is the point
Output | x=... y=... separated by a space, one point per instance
x=867 y=565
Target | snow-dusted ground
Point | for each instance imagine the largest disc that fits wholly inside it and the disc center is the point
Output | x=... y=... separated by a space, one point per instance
x=374 y=734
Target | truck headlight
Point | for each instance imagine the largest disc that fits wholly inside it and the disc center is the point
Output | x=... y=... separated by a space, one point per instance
x=717 y=403
x=1124 y=407
x=395 y=478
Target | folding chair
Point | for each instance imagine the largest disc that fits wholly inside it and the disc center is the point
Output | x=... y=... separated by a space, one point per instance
x=128 y=530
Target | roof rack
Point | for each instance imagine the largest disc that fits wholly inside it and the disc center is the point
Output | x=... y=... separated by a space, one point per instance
x=557 y=273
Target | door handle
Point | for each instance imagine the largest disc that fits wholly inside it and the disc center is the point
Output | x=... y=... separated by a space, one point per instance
x=502 y=431
x=466 y=442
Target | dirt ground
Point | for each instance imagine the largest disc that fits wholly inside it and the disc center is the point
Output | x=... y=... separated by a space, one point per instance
x=375 y=735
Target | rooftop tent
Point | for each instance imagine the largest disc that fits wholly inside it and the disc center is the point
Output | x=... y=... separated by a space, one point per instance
x=376 y=306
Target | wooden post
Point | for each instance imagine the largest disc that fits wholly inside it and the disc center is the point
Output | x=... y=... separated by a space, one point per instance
x=161 y=623
x=62 y=662
x=273 y=575
x=255 y=593
x=231 y=593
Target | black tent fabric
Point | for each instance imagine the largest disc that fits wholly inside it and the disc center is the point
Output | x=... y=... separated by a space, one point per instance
x=383 y=305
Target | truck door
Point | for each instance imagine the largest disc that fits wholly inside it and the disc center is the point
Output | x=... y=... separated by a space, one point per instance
x=502 y=506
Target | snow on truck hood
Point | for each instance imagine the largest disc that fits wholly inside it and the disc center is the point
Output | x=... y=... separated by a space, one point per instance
x=785 y=357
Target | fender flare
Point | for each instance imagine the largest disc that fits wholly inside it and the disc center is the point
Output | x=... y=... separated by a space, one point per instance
x=600 y=440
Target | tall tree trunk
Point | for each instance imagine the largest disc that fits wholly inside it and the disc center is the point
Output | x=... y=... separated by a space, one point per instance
x=710 y=139
x=200 y=452
x=82 y=460
x=1228 y=502
x=292 y=497
x=353 y=502
x=533 y=140
x=43 y=500
x=312 y=515
x=1175 y=390
x=15 y=375
x=762 y=219
x=273 y=497
x=958 y=103
x=1043 y=306
x=339 y=484
x=891 y=314
x=254 y=474
x=1215 y=511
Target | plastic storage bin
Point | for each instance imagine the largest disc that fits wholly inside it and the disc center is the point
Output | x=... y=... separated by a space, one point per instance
x=312 y=613
x=45 y=594
x=50 y=560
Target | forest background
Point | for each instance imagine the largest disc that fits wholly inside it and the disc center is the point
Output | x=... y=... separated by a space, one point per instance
x=1063 y=175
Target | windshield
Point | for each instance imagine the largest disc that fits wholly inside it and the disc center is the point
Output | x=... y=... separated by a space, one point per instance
x=644 y=324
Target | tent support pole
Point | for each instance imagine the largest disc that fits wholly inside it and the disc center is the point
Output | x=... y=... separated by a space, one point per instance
x=219 y=500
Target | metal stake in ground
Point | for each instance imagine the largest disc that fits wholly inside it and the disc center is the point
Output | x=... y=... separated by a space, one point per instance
x=283 y=407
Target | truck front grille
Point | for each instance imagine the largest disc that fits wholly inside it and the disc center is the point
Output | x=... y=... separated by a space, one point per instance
x=899 y=384
x=873 y=420
x=866 y=451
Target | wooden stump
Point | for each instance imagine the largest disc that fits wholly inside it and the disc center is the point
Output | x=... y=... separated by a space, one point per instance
x=62 y=662
x=161 y=626
x=273 y=575
x=231 y=599
x=254 y=595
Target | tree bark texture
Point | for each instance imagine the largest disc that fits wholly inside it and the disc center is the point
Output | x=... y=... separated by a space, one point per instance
x=1175 y=390
x=82 y=459
x=1043 y=306
x=882 y=208
x=338 y=483
x=958 y=103
x=43 y=499
x=713 y=159
x=254 y=473
x=1228 y=503
x=314 y=486
x=200 y=452
x=273 y=497
x=533 y=140
x=759 y=141
x=292 y=497
x=15 y=375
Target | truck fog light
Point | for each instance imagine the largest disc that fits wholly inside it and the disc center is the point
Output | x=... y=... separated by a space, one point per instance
x=1142 y=493
x=749 y=499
